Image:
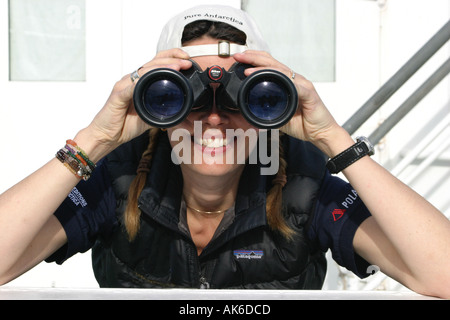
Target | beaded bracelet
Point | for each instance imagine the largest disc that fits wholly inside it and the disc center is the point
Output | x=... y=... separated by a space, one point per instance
x=81 y=155
x=76 y=160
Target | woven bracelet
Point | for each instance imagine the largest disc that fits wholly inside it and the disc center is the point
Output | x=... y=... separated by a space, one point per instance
x=81 y=154
x=76 y=160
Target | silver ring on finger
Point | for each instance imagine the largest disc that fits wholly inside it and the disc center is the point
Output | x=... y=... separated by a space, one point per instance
x=135 y=75
x=292 y=75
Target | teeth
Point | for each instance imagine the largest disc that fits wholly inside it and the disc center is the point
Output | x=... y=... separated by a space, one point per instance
x=212 y=143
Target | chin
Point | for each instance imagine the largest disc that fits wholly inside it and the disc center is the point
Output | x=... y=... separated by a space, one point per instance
x=213 y=170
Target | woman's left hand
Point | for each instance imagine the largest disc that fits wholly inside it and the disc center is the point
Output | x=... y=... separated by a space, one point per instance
x=312 y=121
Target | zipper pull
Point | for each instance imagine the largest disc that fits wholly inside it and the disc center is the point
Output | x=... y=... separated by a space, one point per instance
x=203 y=283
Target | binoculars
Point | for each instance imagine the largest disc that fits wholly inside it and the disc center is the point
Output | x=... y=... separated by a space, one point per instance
x=164 y=97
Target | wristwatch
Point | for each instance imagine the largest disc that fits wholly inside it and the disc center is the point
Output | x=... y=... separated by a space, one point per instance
x=362 y=148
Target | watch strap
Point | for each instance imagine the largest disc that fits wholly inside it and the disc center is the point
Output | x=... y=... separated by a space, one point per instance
x=359 y=150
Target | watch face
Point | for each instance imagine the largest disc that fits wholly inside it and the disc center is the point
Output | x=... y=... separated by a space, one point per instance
x=369 y=145
x=359 y=149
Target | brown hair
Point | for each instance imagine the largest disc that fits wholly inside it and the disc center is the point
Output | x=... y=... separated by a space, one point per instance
x=274 y=199
x=274 y=210
x=132 y=214
x=215 y=30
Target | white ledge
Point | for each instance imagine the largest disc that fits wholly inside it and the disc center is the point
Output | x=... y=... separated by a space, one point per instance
x=18 y=293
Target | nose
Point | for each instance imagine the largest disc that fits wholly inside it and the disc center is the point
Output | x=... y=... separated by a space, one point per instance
x=214 y=116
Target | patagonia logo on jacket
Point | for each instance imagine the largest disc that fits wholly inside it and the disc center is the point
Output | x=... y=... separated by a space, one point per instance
x=248 y=254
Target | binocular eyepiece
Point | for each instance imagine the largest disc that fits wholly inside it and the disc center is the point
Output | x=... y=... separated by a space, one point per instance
x=164 y=97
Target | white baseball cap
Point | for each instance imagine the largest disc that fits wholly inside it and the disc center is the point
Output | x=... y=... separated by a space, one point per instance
x=173 y=31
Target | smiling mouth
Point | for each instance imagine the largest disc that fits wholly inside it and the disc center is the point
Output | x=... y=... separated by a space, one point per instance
x=212 y=142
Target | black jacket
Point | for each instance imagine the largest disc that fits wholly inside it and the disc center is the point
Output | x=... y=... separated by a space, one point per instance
x=246 y=254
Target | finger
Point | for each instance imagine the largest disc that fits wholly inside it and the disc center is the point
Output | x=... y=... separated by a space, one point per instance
x=256 y=58
x=122 y=93
x=258 y=52
x=262 y=61
x=173 y=53
x=178 y=63
x=286 y=71
x=144 y=70
x=170 y=63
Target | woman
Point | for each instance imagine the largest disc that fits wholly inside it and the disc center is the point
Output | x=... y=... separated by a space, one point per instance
x=152 y=223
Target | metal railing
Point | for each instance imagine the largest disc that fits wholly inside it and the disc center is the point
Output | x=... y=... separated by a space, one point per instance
x=396 y=82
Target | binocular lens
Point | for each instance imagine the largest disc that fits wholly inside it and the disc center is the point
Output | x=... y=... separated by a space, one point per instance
x=164 y=99
x=267 y=100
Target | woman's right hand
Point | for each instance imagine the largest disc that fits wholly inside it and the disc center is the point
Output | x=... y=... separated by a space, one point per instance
x=117 y=122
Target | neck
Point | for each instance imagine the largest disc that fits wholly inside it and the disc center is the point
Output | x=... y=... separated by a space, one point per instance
x=210 y=194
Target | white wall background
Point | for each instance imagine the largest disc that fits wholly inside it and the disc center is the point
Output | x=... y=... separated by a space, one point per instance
x=373 y=40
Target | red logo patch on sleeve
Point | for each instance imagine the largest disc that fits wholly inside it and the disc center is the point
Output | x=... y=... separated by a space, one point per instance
x=337 y=214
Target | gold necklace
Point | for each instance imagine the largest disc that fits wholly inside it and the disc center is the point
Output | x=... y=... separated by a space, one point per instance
x=206 y=212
